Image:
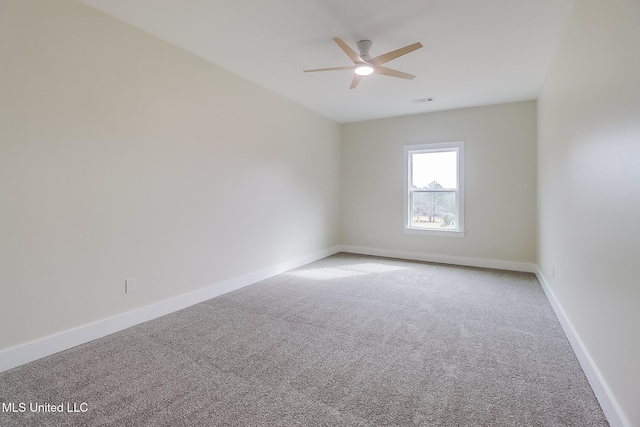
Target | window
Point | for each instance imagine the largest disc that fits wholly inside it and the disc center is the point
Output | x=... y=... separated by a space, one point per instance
x=434 y=202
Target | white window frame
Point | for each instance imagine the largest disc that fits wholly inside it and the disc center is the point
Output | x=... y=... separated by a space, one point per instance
x=409 y=150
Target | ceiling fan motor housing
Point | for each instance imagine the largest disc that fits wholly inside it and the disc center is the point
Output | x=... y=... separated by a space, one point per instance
x=363 y=47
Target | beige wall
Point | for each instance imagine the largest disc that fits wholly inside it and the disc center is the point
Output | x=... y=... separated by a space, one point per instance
x=123 y=156
x=500 y=181
x=589 y=188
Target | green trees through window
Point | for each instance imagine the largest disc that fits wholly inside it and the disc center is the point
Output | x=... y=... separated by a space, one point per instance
x=433 y=208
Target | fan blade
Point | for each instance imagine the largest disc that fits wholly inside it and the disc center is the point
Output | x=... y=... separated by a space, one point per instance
x=350 y=52
x=355 y=81
x=348 y=67
x=386 y=57
x=393 y=73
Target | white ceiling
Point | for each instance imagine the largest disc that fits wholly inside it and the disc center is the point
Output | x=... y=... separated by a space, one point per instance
x=476 y=52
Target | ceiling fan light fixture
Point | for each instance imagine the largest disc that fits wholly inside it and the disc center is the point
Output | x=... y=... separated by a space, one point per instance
x=364 y=69
x=364 y=65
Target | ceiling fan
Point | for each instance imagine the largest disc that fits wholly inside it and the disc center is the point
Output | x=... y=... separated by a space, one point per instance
x=364 y=64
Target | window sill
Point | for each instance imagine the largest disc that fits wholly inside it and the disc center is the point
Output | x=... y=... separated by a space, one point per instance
x=443 y=233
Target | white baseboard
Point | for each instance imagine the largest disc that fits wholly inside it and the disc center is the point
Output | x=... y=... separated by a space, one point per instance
x=443 y=259
x=607 y=402
x=24 y=353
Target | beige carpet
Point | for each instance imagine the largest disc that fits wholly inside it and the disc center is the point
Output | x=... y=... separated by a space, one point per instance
x=345 y=341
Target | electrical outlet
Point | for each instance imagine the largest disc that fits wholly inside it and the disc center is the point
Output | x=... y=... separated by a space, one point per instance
x=369 y=236
x=490 y=245
x=130 y=285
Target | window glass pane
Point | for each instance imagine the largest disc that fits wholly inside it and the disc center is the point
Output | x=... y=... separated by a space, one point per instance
x=433 y=210
x=435 y=170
